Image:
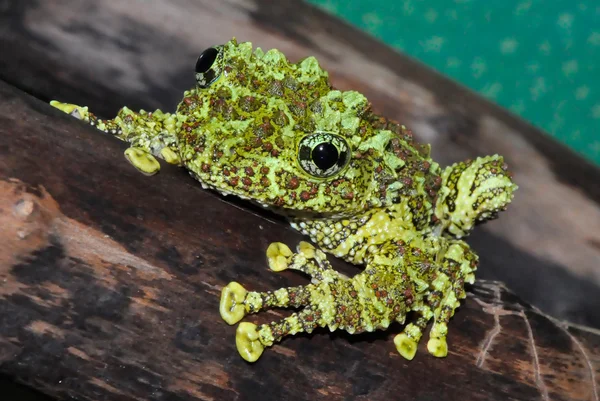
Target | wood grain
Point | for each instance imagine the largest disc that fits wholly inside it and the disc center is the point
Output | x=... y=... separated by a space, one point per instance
x=111 y=281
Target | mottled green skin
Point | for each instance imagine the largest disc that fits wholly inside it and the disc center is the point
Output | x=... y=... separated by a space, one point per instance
x=389 y=207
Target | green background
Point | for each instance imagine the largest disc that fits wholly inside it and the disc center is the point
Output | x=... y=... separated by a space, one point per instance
x=537 y=58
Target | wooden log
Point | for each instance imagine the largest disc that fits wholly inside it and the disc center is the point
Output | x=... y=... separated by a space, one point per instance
x=107 y=54
x=110 y=283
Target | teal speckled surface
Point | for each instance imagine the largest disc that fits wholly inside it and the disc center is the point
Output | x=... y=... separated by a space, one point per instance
x=537 y=58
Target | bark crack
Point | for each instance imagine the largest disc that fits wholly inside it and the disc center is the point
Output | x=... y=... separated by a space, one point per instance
x=489 y=339
x=539 y=381
x=496 y=309
x=491 y=334
x=588 y=362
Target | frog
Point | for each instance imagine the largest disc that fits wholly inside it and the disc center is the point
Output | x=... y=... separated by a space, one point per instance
x=355 y=183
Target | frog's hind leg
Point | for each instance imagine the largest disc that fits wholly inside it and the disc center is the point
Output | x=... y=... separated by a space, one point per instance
x=150 y=134
x=459 y=262
x=437 y=345
x=317 y=299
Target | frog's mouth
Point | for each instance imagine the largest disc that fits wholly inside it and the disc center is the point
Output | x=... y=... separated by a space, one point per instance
x=282 y=211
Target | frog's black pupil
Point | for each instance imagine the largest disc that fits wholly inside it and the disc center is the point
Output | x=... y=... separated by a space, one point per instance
x=325 y=155
x=206 y=59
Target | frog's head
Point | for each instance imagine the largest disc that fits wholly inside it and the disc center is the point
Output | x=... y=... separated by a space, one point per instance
x=265 y=129
x=473 y=191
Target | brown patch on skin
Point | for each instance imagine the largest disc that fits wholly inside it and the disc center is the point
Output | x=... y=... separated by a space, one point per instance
x=40 y=327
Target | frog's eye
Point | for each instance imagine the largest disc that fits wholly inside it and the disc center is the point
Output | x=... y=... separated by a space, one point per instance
x=209 y=66
x=323 y=154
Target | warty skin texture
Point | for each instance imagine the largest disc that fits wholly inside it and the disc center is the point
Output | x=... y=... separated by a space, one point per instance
x=261 y=128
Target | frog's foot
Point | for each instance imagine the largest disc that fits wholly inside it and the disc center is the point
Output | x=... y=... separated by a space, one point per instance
x=251 y=340
x=82 y=113
x=437 y=347
x=232 y=306
x=79 y=112
x=328 y=293
x=142 y=161
x=406 y=346
x=406 y=342
x=307 y=259
x=247 y=342
x=170 y=156
x=278 y=256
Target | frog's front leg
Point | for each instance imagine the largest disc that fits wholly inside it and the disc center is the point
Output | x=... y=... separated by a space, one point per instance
x=408 y=340
x=236 y=302
x=369 y=301
x=388 y=288
x=150 y=134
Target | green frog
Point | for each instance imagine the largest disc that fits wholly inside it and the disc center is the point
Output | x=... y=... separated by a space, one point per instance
x=277 y=133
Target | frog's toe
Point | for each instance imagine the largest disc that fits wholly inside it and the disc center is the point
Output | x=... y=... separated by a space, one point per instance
x=277 y=255
x=406 y=346
x=142 y=160
x=307 y=249
x=231 y=306
x=79 y=112
x=247 y=342
x=437 y=347
x=170 y=156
